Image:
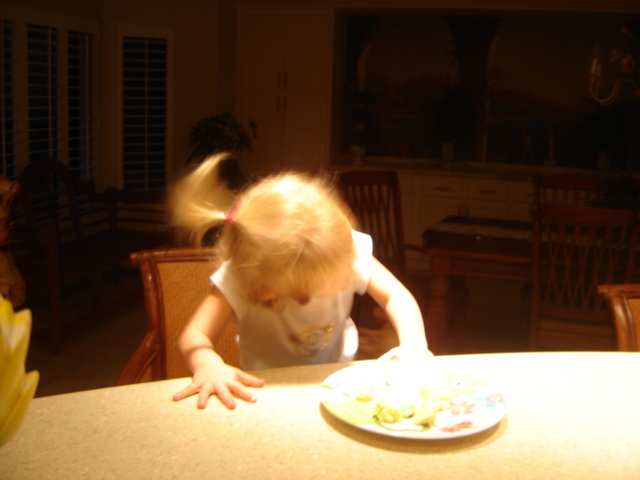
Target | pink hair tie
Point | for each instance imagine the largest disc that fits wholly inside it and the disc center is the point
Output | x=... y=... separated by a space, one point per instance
x=233 y=211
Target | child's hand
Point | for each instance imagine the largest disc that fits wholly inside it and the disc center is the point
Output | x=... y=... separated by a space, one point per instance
x=408 y=354
x=223 y=380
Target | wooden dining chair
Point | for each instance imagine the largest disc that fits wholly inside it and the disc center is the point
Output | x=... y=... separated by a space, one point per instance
x=575 y=249
x=175 y=281
x=624 y=302
x=375 y=199
x=567 y=190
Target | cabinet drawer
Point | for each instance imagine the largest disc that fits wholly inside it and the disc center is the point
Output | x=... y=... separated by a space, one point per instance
x=487 y=190
x=486 y=209
x=441 y=187
x=521 y=192
x=519 y=211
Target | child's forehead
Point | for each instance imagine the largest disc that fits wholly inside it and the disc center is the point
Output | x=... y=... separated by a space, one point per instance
x=332 y=288
x=315 y=278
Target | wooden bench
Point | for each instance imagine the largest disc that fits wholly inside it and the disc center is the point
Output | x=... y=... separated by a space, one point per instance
x=64 y=232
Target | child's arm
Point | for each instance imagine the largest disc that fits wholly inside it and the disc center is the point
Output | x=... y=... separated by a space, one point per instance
x=210 y=374
x=403 y=311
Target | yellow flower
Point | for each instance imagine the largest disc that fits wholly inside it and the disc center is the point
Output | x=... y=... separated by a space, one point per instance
x=17 y=388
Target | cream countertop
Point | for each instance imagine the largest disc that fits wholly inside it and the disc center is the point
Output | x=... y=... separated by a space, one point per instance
x=462 y=169
x=569 y=416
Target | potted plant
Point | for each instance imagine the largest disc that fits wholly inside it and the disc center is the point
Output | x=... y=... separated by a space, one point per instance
x=217 y=134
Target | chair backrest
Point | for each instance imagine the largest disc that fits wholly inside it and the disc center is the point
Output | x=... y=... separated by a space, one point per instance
x=175 y=282
x=567 y=190
x=575 y=249
x=374 y=198
x=624 y=301
x=50 y=192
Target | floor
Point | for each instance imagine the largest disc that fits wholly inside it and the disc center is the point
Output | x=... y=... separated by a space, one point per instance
x=94 y=358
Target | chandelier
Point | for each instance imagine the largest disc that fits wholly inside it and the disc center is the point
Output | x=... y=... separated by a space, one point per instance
x=625 y=62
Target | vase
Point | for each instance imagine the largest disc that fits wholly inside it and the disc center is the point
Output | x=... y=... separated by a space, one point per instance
x=358 y=152
x=446 y=153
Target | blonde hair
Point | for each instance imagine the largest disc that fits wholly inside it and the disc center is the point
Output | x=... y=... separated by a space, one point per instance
x=289 y=233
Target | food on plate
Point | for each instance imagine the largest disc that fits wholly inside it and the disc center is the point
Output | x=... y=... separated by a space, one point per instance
x=394 y=403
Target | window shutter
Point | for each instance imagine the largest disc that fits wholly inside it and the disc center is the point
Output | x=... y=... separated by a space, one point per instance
x=7 y=105
x=47 y=96
x=80 y=108
x=144 y=112
x=42 y=92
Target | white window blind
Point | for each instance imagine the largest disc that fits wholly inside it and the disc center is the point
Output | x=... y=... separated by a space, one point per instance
x=144 y=112
x=48 y=94
x=7 y=121
x=80 y=108
x=42 y=92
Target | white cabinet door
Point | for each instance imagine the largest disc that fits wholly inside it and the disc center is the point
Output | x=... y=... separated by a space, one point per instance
x=486 y=198
x=426 y=200
x=309 y=52
x=434 y=209
x=284 y=86
x=287 y=52
x=521 y=196
x=486 y=209
x=261 y=45
x=305 y=138
x=291 y=131
x=447 y=187
x=439 y=197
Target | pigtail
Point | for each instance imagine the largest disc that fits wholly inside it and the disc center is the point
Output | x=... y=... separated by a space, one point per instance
x=200 y=200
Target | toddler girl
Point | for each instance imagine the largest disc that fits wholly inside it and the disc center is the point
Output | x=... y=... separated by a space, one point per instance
x=291 y=265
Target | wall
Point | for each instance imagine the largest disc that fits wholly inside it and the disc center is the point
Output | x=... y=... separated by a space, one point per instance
x=195 y=24
x=205 y=47
x=630 y=6
x=195 y=27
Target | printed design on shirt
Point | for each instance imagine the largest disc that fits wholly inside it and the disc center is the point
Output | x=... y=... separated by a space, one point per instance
x=312 y=340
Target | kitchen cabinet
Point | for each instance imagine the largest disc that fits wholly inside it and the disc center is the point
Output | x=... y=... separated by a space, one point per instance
x=520 y=198
x=285 y=51
x=485 y=198
x=428 y=198
x=284 y=86
x=288 y=131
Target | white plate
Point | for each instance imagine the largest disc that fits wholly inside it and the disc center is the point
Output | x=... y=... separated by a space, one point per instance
x=475 y=404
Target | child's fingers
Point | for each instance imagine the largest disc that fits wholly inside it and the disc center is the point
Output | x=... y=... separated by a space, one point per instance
x=226 y=397
x=186 y=392
x=250 y=380
x=242 y=392
x=227 y=391
x=203 y=398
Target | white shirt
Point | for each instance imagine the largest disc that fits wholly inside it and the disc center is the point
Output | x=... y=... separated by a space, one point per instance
x=319 y=332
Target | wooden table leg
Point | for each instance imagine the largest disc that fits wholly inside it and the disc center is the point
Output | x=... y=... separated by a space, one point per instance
x=437 y=314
